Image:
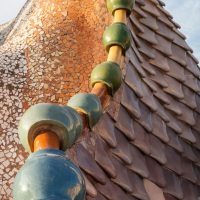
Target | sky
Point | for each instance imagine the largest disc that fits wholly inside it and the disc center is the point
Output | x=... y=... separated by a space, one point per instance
x=185 y=12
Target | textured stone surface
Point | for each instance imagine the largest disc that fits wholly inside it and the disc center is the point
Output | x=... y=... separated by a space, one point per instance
x=47 y=56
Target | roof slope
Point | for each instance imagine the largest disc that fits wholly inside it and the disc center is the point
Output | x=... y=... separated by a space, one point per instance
x=147 y=145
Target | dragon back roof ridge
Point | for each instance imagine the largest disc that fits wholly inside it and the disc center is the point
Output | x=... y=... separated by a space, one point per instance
x=147 y=143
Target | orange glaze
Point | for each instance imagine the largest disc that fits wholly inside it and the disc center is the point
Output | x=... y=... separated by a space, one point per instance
x=46 y=140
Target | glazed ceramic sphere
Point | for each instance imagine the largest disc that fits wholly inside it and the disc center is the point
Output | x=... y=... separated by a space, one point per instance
x=117 y=34
x=47 y=175
x=63 y=120
x=89 y=104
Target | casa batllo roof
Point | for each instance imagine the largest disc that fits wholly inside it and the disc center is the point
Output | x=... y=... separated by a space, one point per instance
x=147 y=144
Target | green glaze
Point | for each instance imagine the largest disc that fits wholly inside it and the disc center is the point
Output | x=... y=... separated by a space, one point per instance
x=117 y=34
x=108 y=73
x=120 y=4
x=49 y=175
x=88 y=104
x=64 y=121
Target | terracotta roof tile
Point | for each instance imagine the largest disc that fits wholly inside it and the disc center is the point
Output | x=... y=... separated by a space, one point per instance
x=146 y=49
x=160 y=61
x=139 y=11
x=135 y=64
x=188 y=190
x=154 y=192
x=156 y=144
x=140 y=58
x=148 y=67
x=172 y=155
x=197 y=154
x=179 y=33
x=155 y=2
x=98 y=197
x=103 y=157
x=134 y=36
x=169 y=197
x=197 y=191
x=176 y=71
x=197 y=173
x=191 y=81
x=164 y=45
x=161 y=3
x=145 y=120
x=187 y=133
x=193 y=57
x=162 y=96
x=165 y=31
x=149 y=21
x=188 y=170
x=111 y=191
x=197 y=125
x=151 y=84
x=141 y=138
x=136 y=23
x=159 y=128
x=150 y=8
x=197 y=136
x=164 y=19
x=141 y=2
x=173 y=186
x=187 y=151
x=148 y=35
x=148 y=98
x=90 y=189
x=174 y=87
x=164 y=11
x=174 y=106
x=173 y=123
x=187 y=115
x=197 y=99
x=189 y=99
x=106 y=130
x=161 y=111
x=123 y=149
x=139 y=163
x=180 y=42
x=173 y=140
x=131 y=102
x=155 y=172
x=138 y=186
x=133 y=80
x=88 y=164
x=122 y=178
x=125 y=123
x=159 y=77
x=178 y=54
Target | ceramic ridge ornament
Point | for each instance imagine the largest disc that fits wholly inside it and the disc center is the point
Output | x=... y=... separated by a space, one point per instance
x=88 y=104
x=63 y=120
x=49 y=175
x=114 y=5
x=117 y=34
x=108 y=73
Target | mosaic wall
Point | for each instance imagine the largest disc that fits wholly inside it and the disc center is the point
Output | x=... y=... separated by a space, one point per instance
x=48 y=55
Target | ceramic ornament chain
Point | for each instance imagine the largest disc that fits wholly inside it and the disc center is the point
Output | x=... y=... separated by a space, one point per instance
x=47 y=130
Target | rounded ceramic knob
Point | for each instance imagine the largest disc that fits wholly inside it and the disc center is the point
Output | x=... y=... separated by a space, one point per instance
x=88 y=104
x=49 y=175
x=108 y=73
x=117 y=34
x=114 y=5
x=63 y=120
